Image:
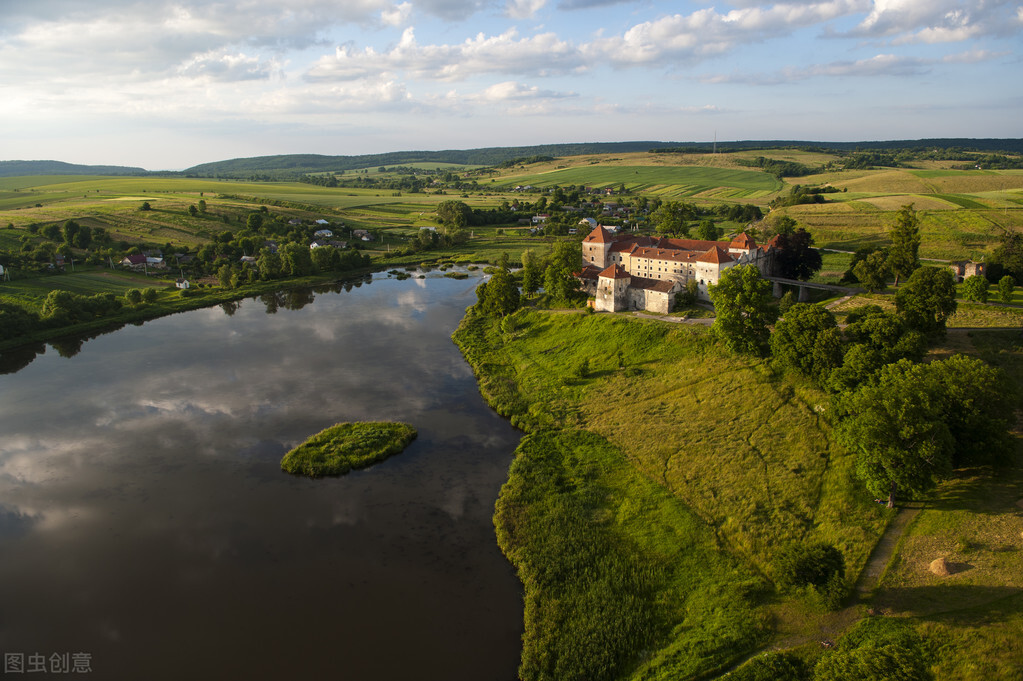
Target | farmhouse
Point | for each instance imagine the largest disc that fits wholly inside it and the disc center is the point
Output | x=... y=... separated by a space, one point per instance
x=629 y=272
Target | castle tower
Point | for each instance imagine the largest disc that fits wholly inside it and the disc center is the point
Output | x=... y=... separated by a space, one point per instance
x=597 y=248
x=612 y=290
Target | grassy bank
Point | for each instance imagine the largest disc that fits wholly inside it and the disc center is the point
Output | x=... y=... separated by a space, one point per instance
x=347 y=446
x=657 y=446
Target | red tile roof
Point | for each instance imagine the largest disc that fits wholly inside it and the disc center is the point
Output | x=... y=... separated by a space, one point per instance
x=744 y=241
x=716 y=255
x=599 y=235
x=615 y=272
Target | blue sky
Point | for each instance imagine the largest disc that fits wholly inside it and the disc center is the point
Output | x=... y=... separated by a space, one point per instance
x=166 y=85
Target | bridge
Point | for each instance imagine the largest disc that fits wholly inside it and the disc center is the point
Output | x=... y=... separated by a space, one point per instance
x=804 y=287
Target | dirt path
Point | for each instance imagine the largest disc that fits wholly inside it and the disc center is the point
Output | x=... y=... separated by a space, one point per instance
x=833 y=624
x=885 y=548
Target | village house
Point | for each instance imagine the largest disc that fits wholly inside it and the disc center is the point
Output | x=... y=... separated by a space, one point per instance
x=630 y=272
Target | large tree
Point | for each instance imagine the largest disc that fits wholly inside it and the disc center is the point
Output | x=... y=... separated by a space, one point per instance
x=532 y=273
x=928 y=299
x=903 y=256
x=500 y=295
x=672 y=218
x=895 y=427
x=807 y=339
x=1009 y=254
x=742 y=304
x=873 y=271
x=455 y=213
x=876 y=338
x=797 y=258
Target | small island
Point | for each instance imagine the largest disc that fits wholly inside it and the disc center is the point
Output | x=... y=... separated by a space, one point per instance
x=347 y=446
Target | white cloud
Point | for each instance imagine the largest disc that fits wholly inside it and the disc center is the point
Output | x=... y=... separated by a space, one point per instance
x=524 y=9
x=541 y=54
x=881 y=65
x=939 y=21
x=511 y=90
x=221 y=66
x=397 y=15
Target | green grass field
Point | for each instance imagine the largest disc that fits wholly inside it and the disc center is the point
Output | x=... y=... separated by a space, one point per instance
x=742 y=448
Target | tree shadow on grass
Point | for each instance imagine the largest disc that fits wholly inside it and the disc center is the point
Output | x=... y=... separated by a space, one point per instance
x=984 y=604
x=990 y=490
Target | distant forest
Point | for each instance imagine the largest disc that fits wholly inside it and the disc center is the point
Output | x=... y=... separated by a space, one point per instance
x=294 y=166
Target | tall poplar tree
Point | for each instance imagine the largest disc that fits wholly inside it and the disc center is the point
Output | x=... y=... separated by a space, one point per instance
x=904 y=254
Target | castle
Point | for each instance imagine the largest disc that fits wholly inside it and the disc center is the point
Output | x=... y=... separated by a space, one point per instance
x=629 y=272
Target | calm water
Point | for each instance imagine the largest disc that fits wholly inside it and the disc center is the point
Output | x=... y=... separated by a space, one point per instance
x=144 y=518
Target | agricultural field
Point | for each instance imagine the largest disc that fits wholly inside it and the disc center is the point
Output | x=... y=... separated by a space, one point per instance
x=722 y=184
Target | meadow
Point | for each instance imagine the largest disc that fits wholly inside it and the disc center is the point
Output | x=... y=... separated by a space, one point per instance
x=725 y=440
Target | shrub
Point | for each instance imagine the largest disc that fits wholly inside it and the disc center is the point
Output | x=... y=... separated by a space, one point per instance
x=1005 y=286
x=817 y=566
x=976 y=288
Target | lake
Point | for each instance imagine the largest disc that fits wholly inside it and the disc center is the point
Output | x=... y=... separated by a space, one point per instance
x=145 y=521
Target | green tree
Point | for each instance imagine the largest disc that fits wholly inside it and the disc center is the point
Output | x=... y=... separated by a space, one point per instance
x=500 y=295
x=688 y=296
x=70 y=231
x=797 y=258
x=873 y=271
x=296 y=261
x=269 y=265
x=927 y=299
x=224 y=275
x=145 y=206
x=149 y=295
x=202 y=206
x=785 y=225
x=742 y=304
x=254 y=222
x=454 y=213
x=558 y=283
x=977 y=407
x=708 y=231
x=193 y=211
x=903 y=256
x=807 y=339
x=975 y=288
x=133 y=296
x=672 y=216
x=1009 y=254
x=532 y=274
x=876 y=338
x=1005 y=287
x=895 y=427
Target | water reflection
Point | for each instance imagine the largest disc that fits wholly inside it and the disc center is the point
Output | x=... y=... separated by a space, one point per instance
x=145 y=520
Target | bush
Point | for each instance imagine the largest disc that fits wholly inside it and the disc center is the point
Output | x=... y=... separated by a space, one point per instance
x=772 y=667
x=1005 y=286
x=817 y=566
x=976 y=288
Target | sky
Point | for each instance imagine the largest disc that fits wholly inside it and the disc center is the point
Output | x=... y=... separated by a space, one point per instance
x=165 y=85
